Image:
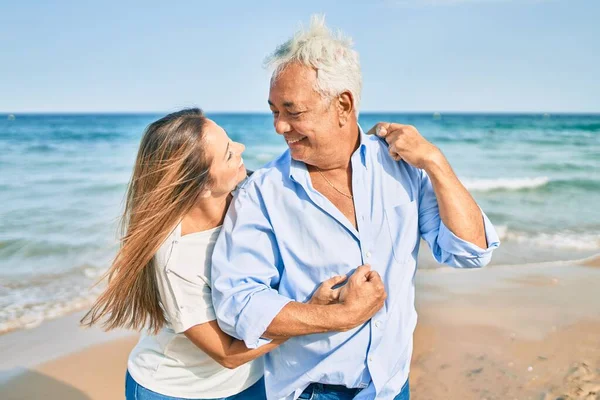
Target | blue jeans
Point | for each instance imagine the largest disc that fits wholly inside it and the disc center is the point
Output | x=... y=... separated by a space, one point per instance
x=135 y=391
x=317 y=391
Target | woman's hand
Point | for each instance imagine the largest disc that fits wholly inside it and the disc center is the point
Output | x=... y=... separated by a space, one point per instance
x=325 y=294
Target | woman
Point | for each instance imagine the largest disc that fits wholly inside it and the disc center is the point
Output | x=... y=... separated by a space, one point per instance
x=185 y=171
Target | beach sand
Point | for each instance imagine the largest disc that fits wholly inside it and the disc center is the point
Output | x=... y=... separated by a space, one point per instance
x=531 y=333
x=518 y=332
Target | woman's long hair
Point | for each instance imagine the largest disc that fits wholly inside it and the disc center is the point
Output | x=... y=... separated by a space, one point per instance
x=170 y=172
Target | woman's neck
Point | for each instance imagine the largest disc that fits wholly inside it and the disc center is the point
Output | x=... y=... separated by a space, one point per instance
x=206 y=214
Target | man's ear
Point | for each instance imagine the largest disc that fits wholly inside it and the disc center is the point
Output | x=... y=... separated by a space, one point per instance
x=345 y=107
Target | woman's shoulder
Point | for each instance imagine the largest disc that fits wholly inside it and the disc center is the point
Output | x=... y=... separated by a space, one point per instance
x=165 y=252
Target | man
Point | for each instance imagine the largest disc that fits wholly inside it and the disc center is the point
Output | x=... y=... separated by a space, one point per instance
x=335 y=200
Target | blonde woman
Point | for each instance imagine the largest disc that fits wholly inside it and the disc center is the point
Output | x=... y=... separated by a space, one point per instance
x=185 y=171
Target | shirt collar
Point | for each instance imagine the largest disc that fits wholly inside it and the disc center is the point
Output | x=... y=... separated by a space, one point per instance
x=298 y=171
x=362 y=147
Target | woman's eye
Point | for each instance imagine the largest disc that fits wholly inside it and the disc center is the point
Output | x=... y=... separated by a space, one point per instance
x=230 y=155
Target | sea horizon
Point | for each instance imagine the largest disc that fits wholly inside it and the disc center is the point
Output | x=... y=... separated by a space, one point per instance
x=266 y=112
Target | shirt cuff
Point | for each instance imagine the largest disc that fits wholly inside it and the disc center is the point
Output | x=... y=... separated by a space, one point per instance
x=257 y=315
x=452 y=244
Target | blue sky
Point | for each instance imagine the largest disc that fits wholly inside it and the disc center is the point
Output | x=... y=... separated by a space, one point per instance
x=416 y=55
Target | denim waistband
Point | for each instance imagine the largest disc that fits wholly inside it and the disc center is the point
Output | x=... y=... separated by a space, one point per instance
x=323 y=387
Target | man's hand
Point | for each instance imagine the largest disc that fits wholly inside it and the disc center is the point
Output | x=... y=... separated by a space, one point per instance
x=406 y=143
x=357 y=301
x=325 y=294
x=363 y=295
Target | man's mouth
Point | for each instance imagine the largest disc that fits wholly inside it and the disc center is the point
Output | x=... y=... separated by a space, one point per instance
x=292 y=141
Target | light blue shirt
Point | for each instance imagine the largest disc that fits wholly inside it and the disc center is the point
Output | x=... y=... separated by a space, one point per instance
x=281 y=238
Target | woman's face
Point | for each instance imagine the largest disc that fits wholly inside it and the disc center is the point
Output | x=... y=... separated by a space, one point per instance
x=227 y=168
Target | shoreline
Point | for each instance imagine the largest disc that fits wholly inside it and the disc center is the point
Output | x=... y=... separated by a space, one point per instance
x=504 y=257
x=527 y=331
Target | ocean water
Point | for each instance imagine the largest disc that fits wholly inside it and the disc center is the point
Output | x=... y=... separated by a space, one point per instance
x=63 y=179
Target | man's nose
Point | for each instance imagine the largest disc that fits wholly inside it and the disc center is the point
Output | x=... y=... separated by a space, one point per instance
x=282 y=126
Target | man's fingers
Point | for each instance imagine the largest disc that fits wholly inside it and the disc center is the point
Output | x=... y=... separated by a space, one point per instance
x=336 y=280
x=385 y=129
x=361 y=272
x=395 y=156
x=394 y=153
x=374 y=277
x=380 y=129
x=335 y=293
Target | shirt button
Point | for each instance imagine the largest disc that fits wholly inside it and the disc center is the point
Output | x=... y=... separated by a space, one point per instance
x=368 y=254
x=370 y=359
x=377 y=324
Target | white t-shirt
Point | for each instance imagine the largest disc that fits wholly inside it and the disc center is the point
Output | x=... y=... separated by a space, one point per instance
x=169 y=363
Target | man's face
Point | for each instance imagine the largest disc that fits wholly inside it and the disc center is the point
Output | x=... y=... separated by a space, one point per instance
x=309 y=123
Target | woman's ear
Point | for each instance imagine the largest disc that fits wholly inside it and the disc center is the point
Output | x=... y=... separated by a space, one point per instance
x=345 y=107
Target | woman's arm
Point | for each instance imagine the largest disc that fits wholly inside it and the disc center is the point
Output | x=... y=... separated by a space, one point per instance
x=227 y=351
x=230 y=352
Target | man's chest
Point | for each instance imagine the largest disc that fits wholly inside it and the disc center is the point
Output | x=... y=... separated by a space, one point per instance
x=343 y=201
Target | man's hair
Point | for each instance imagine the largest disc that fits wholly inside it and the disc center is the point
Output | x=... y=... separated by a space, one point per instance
x=330 y=54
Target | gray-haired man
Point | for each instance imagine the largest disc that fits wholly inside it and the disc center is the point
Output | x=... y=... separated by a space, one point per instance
x=337 y=199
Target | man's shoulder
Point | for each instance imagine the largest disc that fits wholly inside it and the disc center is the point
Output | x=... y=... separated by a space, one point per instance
x=272 y=173
x=379 y=150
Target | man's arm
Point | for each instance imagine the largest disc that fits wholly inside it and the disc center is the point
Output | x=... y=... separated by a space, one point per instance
x=360 y=298
x=464 y=236
x=457 y=208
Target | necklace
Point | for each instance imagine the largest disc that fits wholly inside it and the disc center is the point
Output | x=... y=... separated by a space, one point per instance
x=349 y=196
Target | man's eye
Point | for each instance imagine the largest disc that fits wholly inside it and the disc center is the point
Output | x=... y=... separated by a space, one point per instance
x=296 y=114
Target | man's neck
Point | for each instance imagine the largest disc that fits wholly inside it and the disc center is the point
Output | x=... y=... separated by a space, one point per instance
x=339 y=158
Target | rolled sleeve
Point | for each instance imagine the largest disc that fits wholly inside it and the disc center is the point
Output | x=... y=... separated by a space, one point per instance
x=447 y=248
x=246 y=269
x=185 y=293
x=192 y=305
x=460 y=253
x=256 y=317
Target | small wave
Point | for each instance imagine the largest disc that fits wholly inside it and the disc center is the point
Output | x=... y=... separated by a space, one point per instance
x=41 y=148
x=564 y=166
x=30 y=249
x=27 y=301
x=35 y=314
x=82 y=273
x=586 y=127
x=512 y=184
x=487 y=185
x=560 y=240
x=582 y=184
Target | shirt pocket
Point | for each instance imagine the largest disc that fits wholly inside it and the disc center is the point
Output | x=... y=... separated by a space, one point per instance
x=403 y=225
